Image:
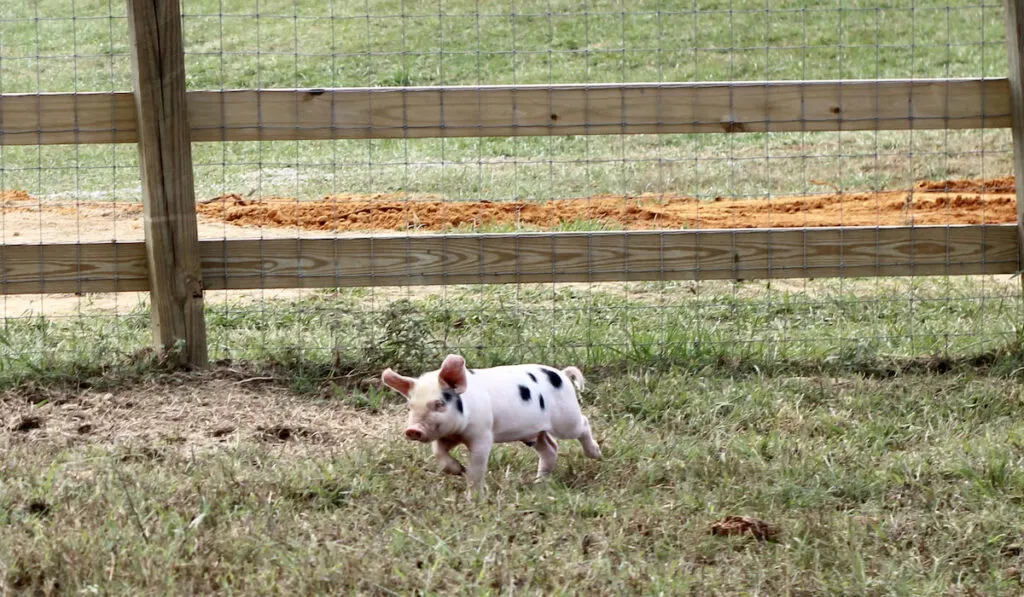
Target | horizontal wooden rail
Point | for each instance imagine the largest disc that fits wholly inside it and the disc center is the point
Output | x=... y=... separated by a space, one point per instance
x=73 y=267
x=400 y=260
x=527 y=110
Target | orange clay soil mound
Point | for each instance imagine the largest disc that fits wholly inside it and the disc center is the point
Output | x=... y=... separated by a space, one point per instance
x=930 y=202
x=14 y=198
x=21 y=201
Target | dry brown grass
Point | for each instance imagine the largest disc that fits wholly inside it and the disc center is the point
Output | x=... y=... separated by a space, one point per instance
x=194 y=412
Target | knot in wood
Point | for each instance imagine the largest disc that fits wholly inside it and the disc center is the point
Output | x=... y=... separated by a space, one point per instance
x=194 y=287
x=732 y=126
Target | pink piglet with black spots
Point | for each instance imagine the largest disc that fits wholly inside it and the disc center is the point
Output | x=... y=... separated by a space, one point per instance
x=533 y=404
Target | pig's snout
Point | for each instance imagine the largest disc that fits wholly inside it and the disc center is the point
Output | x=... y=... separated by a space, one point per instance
x=414 y=433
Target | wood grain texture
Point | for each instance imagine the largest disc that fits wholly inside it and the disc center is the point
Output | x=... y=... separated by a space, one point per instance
x=86 y=267
x=165 y=160
x=598 y=109
x=529 y=110
x=533 y=257
x=610 y=256
x=1015 y=54
x=55 y=118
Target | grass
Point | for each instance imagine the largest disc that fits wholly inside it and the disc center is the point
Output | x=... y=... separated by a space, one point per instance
x=816 y=326
x=905 y=488
x=875 y=426
x=384 y=43
x=875 y=422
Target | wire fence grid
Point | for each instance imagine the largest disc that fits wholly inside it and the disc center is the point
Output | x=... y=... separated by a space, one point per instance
x=587 y=183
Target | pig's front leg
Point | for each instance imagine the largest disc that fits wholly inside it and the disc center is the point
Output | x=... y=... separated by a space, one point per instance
x=479 y=453
x=442 y=447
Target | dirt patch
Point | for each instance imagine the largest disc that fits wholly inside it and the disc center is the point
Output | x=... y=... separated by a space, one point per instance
x=193 y=412
x=1005 y=184
x=37 y=508
x=14 y=199
x=27 y=423
x=930 y=202
x=745 y=525
x=25 y=219
x=283 y=433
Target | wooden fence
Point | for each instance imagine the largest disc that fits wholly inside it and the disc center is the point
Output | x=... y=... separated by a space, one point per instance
x=176 y=267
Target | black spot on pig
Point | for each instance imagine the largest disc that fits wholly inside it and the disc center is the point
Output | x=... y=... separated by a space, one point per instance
x=458 y=404
x=449 y=394
x=532 y=377
x=554 y=378
x=540 y=399
x=524 y=393
x=471 y=372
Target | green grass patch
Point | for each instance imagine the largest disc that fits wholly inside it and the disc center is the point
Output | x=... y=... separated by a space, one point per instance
x=469 y=43
x=904 y=487
x=870 y=326
x=873 y=422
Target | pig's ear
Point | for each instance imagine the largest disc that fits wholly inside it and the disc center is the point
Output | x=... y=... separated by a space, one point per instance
x=453 y=373
x=402 y=385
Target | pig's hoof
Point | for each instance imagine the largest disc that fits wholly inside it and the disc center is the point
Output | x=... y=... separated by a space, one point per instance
x=455 y=470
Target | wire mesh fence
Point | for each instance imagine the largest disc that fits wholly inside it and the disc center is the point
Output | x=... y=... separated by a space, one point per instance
x=380 y=187
x=66 y=193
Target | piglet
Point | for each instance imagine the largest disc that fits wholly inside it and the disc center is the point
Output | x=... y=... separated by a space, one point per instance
x=456 y=405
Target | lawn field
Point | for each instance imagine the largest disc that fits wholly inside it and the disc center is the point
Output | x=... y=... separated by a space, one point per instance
x=279 y=43
x=874 y=424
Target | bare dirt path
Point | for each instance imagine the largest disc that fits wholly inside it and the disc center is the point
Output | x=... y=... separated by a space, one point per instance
x=25 y=219
x=203 y=411
x=930 y=202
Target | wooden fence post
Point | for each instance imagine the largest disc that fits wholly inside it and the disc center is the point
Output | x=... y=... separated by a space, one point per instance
x=1015 y=52
x=165 y=156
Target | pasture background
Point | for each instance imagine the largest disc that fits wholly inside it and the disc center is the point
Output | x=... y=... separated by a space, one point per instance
x=874 y=421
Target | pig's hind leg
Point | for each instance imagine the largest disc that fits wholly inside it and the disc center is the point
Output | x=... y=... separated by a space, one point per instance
x=590 y=447
x=547 y=449
x=442 y=447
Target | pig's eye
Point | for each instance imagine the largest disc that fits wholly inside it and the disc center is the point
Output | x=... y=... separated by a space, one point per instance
x=438 y=405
